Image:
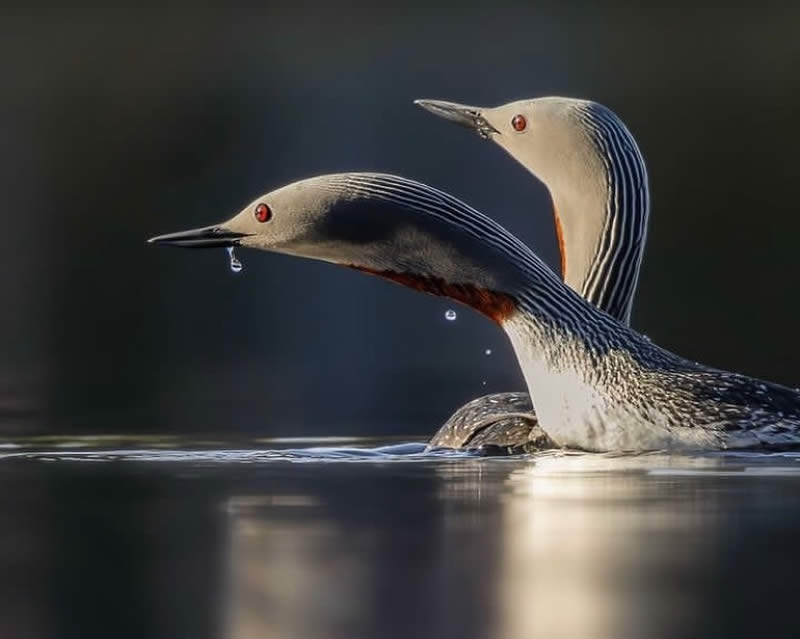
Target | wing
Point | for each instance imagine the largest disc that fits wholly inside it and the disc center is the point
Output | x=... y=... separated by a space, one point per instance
x=500 y=423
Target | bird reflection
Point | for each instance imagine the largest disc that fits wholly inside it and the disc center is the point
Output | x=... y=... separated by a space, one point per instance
x=593 y=547
x=550 y=546
x=279 y=568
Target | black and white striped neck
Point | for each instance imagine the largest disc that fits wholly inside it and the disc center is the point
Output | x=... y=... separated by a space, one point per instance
x=609 y=279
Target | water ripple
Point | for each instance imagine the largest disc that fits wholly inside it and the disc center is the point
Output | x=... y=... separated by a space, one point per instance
x=205 y=450
x=402 y=452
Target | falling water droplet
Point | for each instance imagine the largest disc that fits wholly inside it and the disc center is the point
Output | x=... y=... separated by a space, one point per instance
x=236 y=265
x=450 y=315
x=488 y=351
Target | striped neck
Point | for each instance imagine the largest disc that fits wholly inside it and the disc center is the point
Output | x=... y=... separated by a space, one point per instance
x=440 y=245
x=602 y=219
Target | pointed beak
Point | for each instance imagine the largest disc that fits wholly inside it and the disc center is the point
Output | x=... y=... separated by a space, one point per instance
x=207 y=237
x=466 y=116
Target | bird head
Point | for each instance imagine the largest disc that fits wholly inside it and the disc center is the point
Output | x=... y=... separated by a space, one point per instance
x=548 y=135
x=384 y=225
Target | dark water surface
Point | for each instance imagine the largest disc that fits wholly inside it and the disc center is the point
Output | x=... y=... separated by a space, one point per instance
x=345 y=539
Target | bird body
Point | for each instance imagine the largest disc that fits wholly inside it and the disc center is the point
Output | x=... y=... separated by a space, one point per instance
x=633 y=395
x=597 y=180
x=596 y=384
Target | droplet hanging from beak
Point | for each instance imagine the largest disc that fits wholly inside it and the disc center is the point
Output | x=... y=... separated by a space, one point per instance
x=236 y=265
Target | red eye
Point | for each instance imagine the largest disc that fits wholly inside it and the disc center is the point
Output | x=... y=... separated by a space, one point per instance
x=263 y=214
x=519 y=122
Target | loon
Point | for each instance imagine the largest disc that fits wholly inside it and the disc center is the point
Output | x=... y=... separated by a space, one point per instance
x=597 y=384
x=596 y=176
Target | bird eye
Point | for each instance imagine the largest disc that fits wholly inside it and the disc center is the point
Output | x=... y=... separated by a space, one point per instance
x=263 y=213
x=519 y=122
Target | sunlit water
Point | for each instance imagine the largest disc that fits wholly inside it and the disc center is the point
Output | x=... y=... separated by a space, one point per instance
x=163 y=537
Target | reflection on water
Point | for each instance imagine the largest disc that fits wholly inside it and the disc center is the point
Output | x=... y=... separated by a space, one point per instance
x=168 y=539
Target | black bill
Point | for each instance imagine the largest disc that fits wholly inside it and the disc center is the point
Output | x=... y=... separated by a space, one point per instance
x=466 y=116
x=207 y=237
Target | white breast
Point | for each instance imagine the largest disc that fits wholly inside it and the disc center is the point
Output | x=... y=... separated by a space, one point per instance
x=595 y=406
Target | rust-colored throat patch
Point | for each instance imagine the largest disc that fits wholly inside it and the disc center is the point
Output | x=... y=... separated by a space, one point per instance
x=496 y=306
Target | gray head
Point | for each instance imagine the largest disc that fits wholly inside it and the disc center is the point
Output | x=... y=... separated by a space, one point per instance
x=546 y=135
x=398 y=229
x=594 y=171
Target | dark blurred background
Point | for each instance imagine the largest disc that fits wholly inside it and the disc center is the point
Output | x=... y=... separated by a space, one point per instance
x=116 y=125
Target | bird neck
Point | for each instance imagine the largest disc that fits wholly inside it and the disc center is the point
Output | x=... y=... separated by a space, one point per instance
x=601 y=213
x=427 y=240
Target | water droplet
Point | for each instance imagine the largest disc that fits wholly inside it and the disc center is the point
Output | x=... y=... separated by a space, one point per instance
x=488 y=351
x=236 y=265
x=450 y=315
x=483 y=383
